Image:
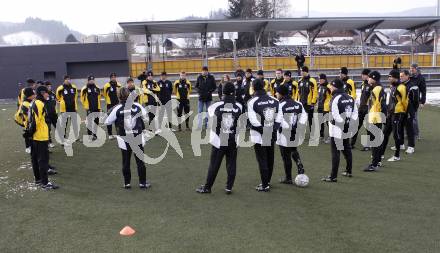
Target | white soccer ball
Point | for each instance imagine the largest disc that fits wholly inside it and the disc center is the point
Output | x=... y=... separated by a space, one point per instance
x=302 y=180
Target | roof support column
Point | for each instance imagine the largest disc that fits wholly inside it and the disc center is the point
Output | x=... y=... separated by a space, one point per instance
x=435 y=47
x=312 y=33
x=365 y=33
x=258 y=35
x=412 y=47
x=204 y=45
x=363 y=53
x=149 y=52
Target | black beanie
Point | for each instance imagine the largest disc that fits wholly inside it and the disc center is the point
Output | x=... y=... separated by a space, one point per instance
x=112 y=74
x=344 y=70
x=30 y=81
x=150 y=73
x=90 y=78
x=47 y=83
x=258 y=84
x=260 y=72
x=305 y=69
x=28 y=92
x=366 y=72
x=283 y=90
x=228 y=88
x=395 y=74
x=41 y=89
x=374 y=75
x=323 y=76
x=288 y=73
x=337 y=83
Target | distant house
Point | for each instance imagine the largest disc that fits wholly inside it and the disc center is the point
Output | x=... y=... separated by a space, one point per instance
x=190 y=46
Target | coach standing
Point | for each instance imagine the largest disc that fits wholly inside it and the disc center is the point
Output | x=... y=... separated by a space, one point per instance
x=110 y=92
x=205 y=86
x=223 y=138
x=262 y=112
x=343 y=112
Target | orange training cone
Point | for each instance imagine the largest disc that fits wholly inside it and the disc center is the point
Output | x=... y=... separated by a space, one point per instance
x=127 y=231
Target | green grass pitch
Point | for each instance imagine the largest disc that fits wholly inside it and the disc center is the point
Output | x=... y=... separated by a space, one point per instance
x=394 y=210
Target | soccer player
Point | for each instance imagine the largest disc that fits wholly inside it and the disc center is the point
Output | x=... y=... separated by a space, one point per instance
x=262 y=112
x=52 y=116
x=223 y=138
x=139 y=94
x=418 y=80
x=151 y=91
x=349 y=85
x=307 y=93
x=363 y=106
x=343 y=111
x=413 y=96
x=166 y=89
x=182 y=88
x=291 y=115
x=67 y=95
x=30 y=83
x=260 y=75
x=110 y=92
x=129 y=119
x=91 y=101
x=22 y=115
x=377 y=105
x=205 y=86
x=247 y=84
x=396 y=113
x=239 y=89
x=291 y=85
x=324 y=97
x=277 y=81
x=39 y=131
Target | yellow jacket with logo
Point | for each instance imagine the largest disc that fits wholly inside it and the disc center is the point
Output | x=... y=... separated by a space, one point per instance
x=293 y=90
x=311 y=97
x=39 y=118
x=110 y=94
x=181 y=91
x=85 y=98
x=377 y=105
x=266 y=87
x=327 y=99
x=350 y=88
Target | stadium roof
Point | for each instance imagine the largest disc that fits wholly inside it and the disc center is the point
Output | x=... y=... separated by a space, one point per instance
x=286 y=24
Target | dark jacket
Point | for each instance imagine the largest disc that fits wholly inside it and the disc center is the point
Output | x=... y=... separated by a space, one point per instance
x=419 y=80
x=205 y=85
x=300 y=59
x=365 y=95
x=166 y=89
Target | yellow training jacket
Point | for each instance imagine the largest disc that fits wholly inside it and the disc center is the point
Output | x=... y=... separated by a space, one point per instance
x=402 y=99
x=293 y=88
x=377 y=105
x=351 y=88
x=266 y=87
x=39 y=117
x=327 y=99
x=85 y=97
x=110 y=94
x=181 y=90
x=312 y=95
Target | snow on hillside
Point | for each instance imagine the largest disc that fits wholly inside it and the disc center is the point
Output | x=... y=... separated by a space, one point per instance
x=25 y=38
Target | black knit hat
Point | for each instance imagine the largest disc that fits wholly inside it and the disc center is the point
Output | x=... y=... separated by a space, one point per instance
x=394 y=73
x=47 y=83
x=288 y=73
x=337 y=83
x=228 y=88
x=66 y=77
x=374 y=75
x=323 y=76
x=366 y=72
x=260 y=73
x=305 y=69
x=163 y=73
x=258 y=84
x=150 y=73
x=39 y=82
x=41 y=89
x=30 y=81
x=90 y=78
x=28 y=92
x=113 y=74
x=283 y=90
x=344 y=70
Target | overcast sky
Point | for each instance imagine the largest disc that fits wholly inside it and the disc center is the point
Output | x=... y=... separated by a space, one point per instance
x=97 y=17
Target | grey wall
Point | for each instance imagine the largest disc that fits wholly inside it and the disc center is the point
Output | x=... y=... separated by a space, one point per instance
x=78 y=60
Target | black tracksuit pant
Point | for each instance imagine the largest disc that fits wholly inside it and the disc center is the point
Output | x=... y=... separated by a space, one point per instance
x=409 y=126
x=183 y=107
x=65 y=123
x=109 y=127
x=336 y=156
x=52 y=119
x=287 y=153
x=362 y=114
x=40 y=160
x=126 y=171
x=393 y=125
x=265 y=159
x=92 y=128
x=217 y=155
x=309 y=110
x=322 y=129
x=376 y=152
x=165 y=109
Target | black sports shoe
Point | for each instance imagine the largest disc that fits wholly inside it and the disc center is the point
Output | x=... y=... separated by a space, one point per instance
x=228 y=191
x=38 y=183
x=329 y=179
x=203 y=189
x=347 y=174
x=127 y=186
x=51 y=172
x=50 y=186
x=370 y=168
x=300 y=169
x=260 y=188
x=286 y=181
x=145 y=185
